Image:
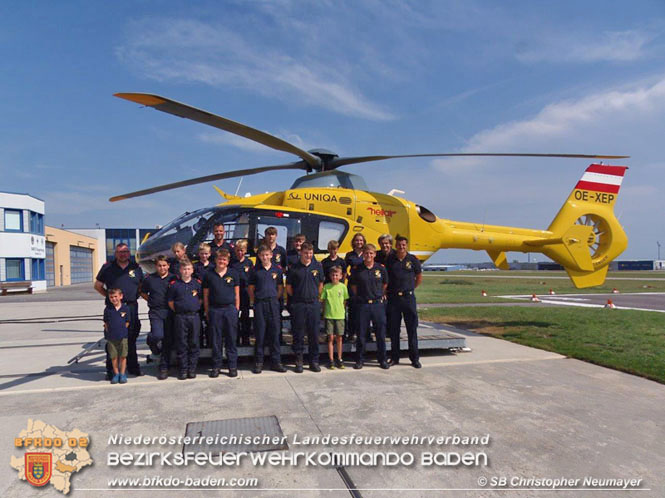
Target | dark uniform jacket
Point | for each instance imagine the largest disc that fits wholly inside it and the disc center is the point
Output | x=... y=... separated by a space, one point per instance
x=116 y=321
x=402 y=274
x=265 y=282
x=186 y=296
x=369 y=281
x=221 y=289
x=156 y=287
x=127 y=280
x=305 y=281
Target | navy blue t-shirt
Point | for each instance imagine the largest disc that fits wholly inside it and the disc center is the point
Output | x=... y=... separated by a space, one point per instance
x=116 y=321
x=352 y=260
x=186 y=296
x=225 y=245
x=369 y=281
x=243 y=268
x=221 y=290
x=382 y=258
x=305 y=281
x=292 y=257
x=328 y=263
x=126 y=279
x=279 y=256
x=156 y=287
x=265 y=282
x=402 y=274
x=200 y=270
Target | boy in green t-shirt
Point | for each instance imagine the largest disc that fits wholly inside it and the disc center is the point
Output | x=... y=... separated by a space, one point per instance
x=334 y=296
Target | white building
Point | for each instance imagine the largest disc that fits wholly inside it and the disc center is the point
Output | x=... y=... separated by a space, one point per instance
x=22 y=241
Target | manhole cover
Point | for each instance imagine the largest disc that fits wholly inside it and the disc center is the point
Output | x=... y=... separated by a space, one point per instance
x=235 y=435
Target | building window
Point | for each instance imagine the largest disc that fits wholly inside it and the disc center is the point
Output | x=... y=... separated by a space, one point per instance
x=14 y=269
x=13 y=220
x=36 y=223
x=115 y=236
x=38 y=269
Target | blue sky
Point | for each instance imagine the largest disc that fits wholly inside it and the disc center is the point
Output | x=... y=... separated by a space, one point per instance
x=357 y=77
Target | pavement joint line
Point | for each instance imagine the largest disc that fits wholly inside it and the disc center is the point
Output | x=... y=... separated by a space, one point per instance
x=241 y=375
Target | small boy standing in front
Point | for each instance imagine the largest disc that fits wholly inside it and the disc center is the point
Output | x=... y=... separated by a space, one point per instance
x=116 y=323
x=334 y=296
x=184 y=298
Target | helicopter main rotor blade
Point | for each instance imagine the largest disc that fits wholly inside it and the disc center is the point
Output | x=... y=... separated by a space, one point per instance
x=185 y=111
x=209 y=178
x=335 y=163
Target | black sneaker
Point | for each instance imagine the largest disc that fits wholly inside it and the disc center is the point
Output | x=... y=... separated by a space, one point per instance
x=358 y=365
x=339 y=364
x=182 y=375
x=191 y=374
x=136 y=371
x=278 y=368
x=330 y=365
x=392 y=361
x=384 y=365
x=416 y=364
x=233 y=372
x=162 y=375
x=214 y=373
x=258 y=368
x=314 y=367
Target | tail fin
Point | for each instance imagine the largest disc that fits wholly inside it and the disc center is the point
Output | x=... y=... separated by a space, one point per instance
x=587 y=234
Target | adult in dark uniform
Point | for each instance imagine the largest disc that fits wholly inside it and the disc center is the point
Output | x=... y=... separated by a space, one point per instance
x=153 y=289
x=404 y=275
x=385 y=249
x=221 y=301
x=368 y=282
x=243 y=265
x=333 y=260
x=265 y=287
x=184 y=298
x=353 y=259
x=218 y=242
x=126 y=275
x=304 y=283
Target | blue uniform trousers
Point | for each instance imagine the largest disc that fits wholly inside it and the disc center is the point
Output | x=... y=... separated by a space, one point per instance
x=167 y=342
x=398 y=307
x=306 y=317
x=376 y=314
x=266 y=329
x=133 y=332
x=223 y=326
x=187 y=328
x=158 y=325
x=244 y=320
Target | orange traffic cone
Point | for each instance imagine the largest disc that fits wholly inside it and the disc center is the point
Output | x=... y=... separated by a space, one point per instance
x=552 y=292
x=610 y=304
x=615 y=291
x=483 y=293
x=534 y=298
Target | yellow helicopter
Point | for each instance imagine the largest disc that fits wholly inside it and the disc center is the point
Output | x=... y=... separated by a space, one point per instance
x=584 y=236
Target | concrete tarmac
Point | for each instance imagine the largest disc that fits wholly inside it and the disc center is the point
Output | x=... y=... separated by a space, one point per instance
x=546 y=416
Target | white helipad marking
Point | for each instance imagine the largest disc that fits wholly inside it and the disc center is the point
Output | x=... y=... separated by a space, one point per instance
x=547 y=300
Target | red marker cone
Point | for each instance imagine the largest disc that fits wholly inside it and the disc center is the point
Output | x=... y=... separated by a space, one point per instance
x=534 y=298
x=610 y=305
x=552 y=292
x=615 y=291
x=483 y=293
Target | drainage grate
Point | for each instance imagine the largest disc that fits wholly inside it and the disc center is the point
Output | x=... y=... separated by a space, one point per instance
x=235 y=435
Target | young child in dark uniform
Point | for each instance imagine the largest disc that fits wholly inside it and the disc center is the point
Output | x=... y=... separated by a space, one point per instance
x=179 y=252
x=265 y=287
x=243 y=265
x=221 y=300
x=200 y=268
x=154 y=289
x=116 y=323
x=184 y=298
x=332 y=261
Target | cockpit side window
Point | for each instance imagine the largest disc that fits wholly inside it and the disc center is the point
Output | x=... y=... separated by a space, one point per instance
x=287 y=229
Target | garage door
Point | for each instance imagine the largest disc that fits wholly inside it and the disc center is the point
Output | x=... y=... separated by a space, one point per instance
x=80 y=264
x=50 y=264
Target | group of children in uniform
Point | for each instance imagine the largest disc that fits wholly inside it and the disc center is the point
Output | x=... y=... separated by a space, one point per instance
x=210 y=302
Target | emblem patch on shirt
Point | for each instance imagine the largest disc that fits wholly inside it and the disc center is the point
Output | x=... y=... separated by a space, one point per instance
x=408 y=265
x=194 y=293
x=246 y=269
x=315 y=273
x=228 y=280
x=274 y=276
x=123 y=314
x=132 y=273
x=277 y=257
x=377 y=273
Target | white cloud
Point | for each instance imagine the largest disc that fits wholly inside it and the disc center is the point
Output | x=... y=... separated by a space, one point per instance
x=608 y=46
x=193 y=51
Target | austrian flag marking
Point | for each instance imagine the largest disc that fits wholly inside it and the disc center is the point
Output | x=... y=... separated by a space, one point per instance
x=601 y=178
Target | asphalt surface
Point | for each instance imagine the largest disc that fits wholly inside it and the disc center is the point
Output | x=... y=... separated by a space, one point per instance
x=546 y=416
